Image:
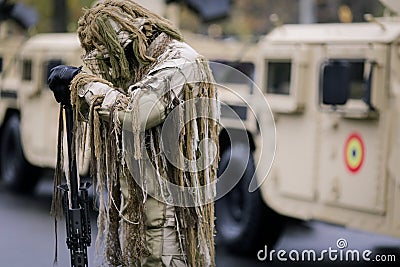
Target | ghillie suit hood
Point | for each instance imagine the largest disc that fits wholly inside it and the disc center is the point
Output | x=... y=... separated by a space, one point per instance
x=116 y=36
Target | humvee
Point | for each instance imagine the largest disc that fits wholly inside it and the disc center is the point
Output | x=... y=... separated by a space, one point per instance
x=28 y=112
x=334 y=92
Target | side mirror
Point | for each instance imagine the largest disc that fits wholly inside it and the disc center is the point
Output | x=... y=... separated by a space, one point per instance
x=335 y=84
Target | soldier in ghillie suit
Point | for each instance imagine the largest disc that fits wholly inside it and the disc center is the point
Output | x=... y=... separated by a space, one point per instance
x=155 y=179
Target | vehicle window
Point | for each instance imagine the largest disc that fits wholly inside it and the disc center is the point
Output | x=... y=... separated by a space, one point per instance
x=278 y=77
x=223 y=74
x=48 y=65
x=27 y=70
x=354 y=82
x=1 y=64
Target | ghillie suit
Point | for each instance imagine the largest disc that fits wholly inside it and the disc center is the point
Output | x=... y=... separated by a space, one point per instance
x=146 y=80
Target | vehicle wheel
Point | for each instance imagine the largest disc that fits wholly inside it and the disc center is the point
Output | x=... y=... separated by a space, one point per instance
x=17 y=174
x=244 y=223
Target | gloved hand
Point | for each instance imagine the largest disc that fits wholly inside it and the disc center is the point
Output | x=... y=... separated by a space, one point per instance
x=59 y=80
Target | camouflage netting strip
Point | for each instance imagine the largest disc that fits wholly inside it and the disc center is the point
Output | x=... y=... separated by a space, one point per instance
x=56 y=203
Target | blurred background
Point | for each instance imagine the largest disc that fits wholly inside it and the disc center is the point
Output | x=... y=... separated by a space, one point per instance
x=242 y=18
x=26 y=228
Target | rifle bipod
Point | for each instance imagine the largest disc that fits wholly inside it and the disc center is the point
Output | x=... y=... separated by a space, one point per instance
x=78 y=225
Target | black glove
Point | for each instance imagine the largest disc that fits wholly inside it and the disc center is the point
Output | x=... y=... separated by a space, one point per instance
x=59 y=80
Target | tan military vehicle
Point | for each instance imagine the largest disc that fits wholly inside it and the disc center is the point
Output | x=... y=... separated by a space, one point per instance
x=334 y=91
x=28 y=112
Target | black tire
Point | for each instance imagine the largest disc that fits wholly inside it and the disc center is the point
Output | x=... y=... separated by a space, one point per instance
x=17 y=174
x=244 y=223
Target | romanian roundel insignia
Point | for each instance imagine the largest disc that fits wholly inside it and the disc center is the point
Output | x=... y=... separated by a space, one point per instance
x=354 y=152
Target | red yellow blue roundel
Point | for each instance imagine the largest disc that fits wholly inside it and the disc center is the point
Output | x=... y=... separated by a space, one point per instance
x=354 y=152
